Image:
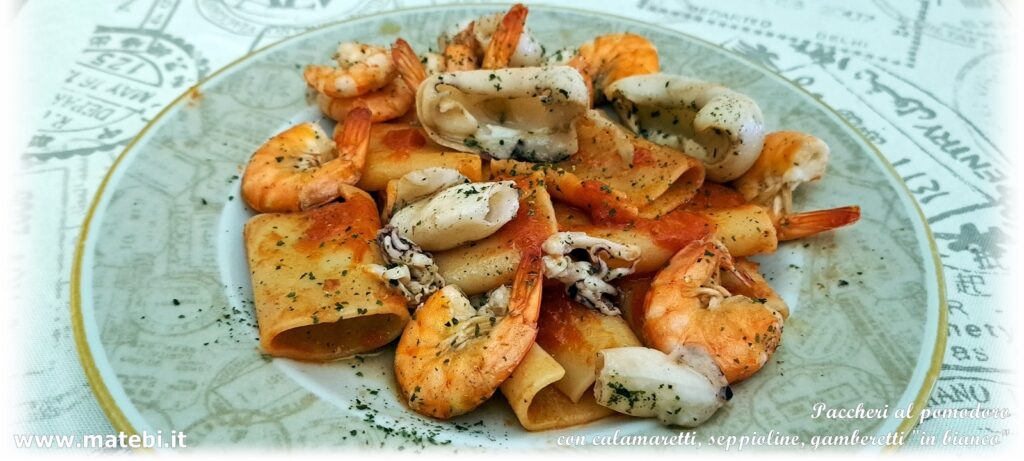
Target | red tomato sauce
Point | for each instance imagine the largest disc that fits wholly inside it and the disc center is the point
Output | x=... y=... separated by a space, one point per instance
x=642 y=157
x=404 y=139
x=352 y=224
x=531 y=225
x=675 y=229
x=712 y=196
x=556 y=325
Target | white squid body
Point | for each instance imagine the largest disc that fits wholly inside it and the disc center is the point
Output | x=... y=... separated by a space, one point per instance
x=719 y=126
x=529 y=51
x=458 y=214
x=419 y=184
x=684 y=391
x=524 y=113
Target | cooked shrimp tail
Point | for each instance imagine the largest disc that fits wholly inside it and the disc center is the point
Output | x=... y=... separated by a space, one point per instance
x=351 y=141
x=453 y=356
x=463 y=51
x=352 y=138
x=408 y=64
x=800 y=225
x=506 y=38
x=526 y=288
x=688 y=305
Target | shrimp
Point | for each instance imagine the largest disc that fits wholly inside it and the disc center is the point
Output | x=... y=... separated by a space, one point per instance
x=686 y=306
x=302 y=168
x=500 y=40
x=361 y=69
x=615 y=56
x=799 y=225
x=452 y=356
x=463 y=51
x=506 y=38
x=787 y=160
x=745 y=279
x=389 y=102
x=410 y=69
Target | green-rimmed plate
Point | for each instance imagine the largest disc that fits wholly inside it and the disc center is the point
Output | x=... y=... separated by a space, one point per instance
x=163 y=314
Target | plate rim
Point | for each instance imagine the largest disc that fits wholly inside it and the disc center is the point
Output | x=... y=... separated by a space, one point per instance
x=116 y=416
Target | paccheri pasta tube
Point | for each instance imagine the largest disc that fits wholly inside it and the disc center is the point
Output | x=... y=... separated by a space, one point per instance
x=655 y=179
x=658 y=239
x=314 y=299
x=745 y=230
x=573 y=335
x=397 y=149
x=538 y=404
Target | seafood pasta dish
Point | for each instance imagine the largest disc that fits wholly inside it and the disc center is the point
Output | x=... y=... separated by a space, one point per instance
x=569 y=228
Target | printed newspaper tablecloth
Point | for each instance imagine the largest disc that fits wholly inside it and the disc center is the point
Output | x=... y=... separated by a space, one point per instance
x=918 y=77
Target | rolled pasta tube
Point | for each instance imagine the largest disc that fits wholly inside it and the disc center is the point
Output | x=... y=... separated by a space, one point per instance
x=745 y=230
x=538 y=404
x=479 y=267
x=313 y=299
x=458 y=214
x=398 y=149
x=656 y=179
x=596 y=197
x=573 y=335
x=485 y=264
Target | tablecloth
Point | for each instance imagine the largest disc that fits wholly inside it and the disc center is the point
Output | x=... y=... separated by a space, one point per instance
x=919 y=78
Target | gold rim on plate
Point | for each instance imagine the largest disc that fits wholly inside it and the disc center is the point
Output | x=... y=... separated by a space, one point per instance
x=120 y=421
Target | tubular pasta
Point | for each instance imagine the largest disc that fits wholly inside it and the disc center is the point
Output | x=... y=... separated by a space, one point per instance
x=634 y=290
x=397 y=149
x=538 y=404
x=313 y=299
x=616 y=170
x=573 y=335
x=745 y=230
x=656 y=179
